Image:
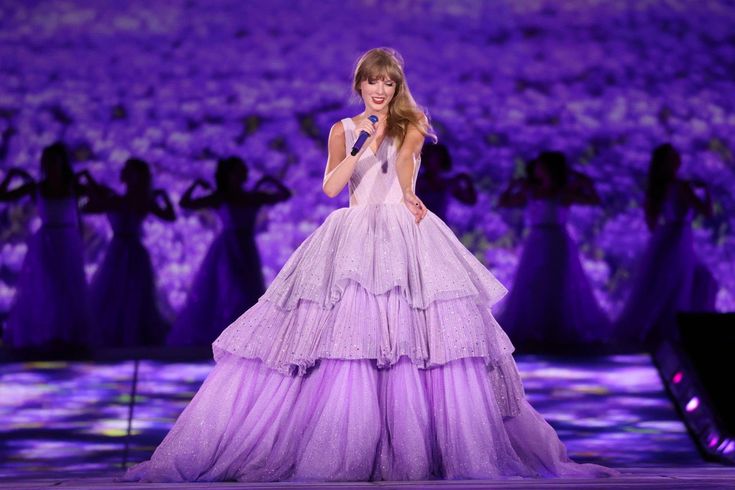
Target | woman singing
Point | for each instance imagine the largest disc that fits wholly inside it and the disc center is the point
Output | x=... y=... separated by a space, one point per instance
x=374 y=354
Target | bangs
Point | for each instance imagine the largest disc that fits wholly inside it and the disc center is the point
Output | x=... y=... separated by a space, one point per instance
x=379 y=66
x=382 y=71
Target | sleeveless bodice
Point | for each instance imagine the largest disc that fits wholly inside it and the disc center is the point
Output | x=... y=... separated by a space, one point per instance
x=375 y=180
x=237 y=217
x=126 y=223
x=675 y=208
x=545 y=212
x=59 y=212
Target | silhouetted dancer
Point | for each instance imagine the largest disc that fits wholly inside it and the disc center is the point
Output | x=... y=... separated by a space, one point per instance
x=50 y=308
x=230 y=279
x=551 y=303
x=669 y=276
x=124 y=298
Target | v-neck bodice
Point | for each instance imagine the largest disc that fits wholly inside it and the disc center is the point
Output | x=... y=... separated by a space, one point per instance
x=375 y=180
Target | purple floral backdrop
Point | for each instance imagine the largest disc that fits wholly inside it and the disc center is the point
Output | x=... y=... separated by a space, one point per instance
x=181 y=83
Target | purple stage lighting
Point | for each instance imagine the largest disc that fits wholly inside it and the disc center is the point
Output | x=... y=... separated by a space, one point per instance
x=692 y=404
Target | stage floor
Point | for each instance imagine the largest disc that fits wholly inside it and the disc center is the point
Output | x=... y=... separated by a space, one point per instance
x=701 y=477
x=64 y=422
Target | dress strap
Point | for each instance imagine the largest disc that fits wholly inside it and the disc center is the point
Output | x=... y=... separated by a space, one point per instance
x=348 y=123
x=349 y=127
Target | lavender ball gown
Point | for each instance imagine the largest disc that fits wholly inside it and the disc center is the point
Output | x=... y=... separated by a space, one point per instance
x=229 y=281
x=123 y=290
x=51 y=304
x=373 y=355
x=669 y=278
x=551 y=301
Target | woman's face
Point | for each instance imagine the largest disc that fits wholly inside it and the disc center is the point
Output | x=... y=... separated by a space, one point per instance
x=377 y=93
x=674 y=164
x=126 y=174
x=52 y=170
x=237 y=177
x=132 y=178
x=541 y=173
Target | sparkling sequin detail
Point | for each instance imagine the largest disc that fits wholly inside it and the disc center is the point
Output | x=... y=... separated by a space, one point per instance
x=370 y=283
x=373 y=355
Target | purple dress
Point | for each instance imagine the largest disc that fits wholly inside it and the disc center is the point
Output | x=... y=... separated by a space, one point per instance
x=51 y=305
x=229 y=281
x=551 y=301
x=373 y=355
x=669 y=278
x=123 y=290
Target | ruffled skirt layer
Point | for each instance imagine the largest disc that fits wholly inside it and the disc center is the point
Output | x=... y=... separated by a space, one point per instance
x=349 y=420
x=373 y=355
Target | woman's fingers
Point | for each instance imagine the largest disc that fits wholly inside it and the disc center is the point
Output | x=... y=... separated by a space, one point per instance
x=418 y=209
x=367 y=126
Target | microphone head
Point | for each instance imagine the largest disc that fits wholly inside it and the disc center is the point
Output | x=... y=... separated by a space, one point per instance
x=373 y=118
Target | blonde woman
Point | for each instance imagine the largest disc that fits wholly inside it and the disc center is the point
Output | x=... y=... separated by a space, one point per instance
x=374 y=354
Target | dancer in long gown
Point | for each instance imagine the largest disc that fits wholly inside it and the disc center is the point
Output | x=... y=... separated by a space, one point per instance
x=230 y=279
x=374 y=354
x=436 y=184
x=50 y=309
x=125 y=305
x=670 y=277
x=550 y=276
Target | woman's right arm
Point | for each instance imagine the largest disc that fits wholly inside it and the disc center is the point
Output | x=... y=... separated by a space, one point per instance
x=28 y=186
x=100 y=199
x=703 y=205
x=188 y=201
x=515 y=195
x=340 y=165
x=463 y=189
x=581 y=190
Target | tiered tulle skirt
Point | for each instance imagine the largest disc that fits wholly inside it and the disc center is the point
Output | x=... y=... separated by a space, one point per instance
x=372 y=356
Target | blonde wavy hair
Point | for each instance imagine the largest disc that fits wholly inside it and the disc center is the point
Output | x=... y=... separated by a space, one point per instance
x=387 y=63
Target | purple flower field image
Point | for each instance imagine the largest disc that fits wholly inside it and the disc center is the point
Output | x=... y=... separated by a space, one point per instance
x=184 y=83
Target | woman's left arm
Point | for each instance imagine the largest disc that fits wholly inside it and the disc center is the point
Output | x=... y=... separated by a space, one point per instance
x=581 y=190
x=405 y=166
x=703 y=205
x=161 y=205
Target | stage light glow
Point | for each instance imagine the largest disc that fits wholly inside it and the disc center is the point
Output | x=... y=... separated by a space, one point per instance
x=713 y=439
x=692 y=404
x=678 y=376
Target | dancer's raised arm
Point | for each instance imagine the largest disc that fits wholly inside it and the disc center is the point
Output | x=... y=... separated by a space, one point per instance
x=26 y=188
x=188 y=201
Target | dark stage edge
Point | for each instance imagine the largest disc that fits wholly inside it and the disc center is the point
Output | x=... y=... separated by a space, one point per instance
x=701 y=477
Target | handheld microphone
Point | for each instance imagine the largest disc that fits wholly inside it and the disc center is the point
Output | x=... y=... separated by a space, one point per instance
x=362 y=137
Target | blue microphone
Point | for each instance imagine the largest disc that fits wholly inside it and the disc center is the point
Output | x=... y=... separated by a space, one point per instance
x=362 y=137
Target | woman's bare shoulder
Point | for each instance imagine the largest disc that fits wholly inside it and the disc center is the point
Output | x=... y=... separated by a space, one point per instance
x=338 y=129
